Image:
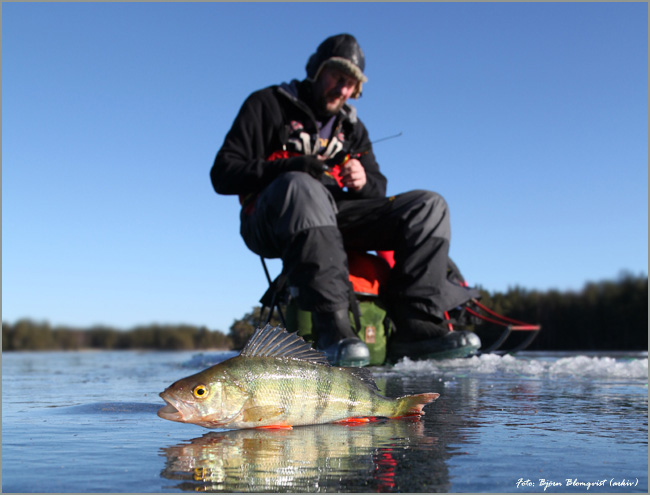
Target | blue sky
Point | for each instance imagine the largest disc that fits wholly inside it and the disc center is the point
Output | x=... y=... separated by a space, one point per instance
x=531 y=119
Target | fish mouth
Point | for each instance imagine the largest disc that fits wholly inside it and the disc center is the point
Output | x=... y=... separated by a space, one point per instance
x=172 y=410
x=177 y=410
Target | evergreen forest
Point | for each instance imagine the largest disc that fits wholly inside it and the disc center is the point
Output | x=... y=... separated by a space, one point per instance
x=606 y=315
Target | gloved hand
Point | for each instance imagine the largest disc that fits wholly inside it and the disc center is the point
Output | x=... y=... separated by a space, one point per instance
x=337 y=159
x=303 y=163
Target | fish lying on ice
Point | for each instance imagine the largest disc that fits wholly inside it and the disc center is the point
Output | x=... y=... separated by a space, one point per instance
x=279 y=381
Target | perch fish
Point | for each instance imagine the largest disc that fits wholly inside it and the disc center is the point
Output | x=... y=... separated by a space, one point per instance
x=279 y=381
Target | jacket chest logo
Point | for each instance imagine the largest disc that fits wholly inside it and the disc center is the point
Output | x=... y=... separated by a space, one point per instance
x=301 y=141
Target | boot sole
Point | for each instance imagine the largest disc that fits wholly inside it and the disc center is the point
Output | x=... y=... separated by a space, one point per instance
x=448 y=347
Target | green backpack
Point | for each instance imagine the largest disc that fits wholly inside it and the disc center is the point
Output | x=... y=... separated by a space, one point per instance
x=368 y=316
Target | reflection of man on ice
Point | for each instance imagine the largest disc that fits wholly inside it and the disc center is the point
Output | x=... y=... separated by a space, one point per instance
x=300 y=206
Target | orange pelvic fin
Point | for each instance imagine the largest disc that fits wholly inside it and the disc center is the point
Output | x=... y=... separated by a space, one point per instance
x=274 y=427
x=352 y=421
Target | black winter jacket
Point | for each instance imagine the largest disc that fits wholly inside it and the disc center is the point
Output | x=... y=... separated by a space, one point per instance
x=275 y=119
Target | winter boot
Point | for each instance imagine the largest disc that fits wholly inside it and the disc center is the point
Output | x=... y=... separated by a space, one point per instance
x=337 y=340
x=420 y=336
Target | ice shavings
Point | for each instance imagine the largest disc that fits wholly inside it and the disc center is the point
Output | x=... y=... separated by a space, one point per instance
x=491 y=364
x=600 y=367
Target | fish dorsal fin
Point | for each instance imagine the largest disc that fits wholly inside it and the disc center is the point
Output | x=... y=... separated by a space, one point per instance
x=365 y=375
x=276 y=342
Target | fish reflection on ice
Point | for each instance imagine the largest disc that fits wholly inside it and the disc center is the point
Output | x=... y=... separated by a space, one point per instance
x=310 y=458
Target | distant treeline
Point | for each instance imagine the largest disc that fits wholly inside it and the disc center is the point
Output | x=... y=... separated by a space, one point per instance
x=608 y=315
x=29 y=335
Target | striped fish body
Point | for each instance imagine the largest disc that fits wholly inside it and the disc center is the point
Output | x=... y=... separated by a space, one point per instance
x=278 y=381
x=291 y=392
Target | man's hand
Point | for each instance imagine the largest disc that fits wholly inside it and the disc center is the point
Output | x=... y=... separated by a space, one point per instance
x=353 y=175
x=304 y=163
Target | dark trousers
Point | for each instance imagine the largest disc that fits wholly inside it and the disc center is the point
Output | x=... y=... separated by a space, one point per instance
x=297 y=219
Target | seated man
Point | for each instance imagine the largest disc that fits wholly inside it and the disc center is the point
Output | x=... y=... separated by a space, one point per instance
x=302 y=204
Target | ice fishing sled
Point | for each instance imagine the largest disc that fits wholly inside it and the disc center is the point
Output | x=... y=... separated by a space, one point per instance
x=499 y=334
x=369 y=319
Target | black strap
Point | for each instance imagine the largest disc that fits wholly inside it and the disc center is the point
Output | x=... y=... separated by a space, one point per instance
x=354 y=307
x=271 y=297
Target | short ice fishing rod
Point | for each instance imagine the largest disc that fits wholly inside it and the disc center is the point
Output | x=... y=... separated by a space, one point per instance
x=342 y=157
x=386 y=138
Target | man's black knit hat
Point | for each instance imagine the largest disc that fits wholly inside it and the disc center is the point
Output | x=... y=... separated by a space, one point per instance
x=343 y=51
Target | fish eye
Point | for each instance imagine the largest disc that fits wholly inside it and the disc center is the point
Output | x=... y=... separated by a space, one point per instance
x=200 y=391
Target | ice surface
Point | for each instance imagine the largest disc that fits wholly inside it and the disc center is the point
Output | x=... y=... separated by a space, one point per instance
x=88 y=421
x=581 y=366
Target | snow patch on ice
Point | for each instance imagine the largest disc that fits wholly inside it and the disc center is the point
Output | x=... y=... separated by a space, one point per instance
x=490 y=364
x=600 y=367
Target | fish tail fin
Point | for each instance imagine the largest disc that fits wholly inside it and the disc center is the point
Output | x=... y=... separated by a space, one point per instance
x=411 y=405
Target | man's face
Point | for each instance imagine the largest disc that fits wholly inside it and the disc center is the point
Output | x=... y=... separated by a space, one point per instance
x=332 y=89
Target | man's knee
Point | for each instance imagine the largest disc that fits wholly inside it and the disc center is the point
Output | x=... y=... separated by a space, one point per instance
x=428 y=214
x=423 y=196
x=305 y=202
x=292 y=203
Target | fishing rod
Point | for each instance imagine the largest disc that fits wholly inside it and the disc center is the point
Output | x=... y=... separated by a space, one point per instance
x=386 y=138
x=343 y=157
